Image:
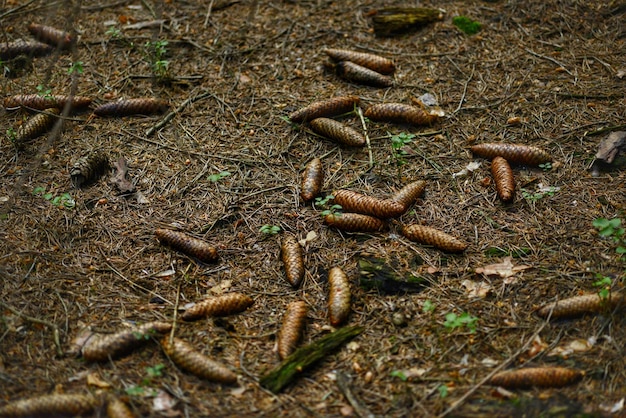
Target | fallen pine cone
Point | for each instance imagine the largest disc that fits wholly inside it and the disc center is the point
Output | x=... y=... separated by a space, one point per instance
x=361 y=75
x=436 y=238
x=400 y=113
x=41 y=102
x=101 y=348
x=503 y=178
x=293 y=259
x=581 y=305
x=312 y=180
x=338 y=132
x=338 y=296
x=325 y=108
x=409 y=194
x=223 y=305
x=11 y=50
x=116 y=408
x=373 y=62
x=128 y=107
x=51 y=36
x=354 y=222
x=187 y=244
x=513 y=153
x=37 y=125
x=544 y=377
x=187 y=358
x=291 y=330
x=351 y=201
x=88 y=169
x=56 y=405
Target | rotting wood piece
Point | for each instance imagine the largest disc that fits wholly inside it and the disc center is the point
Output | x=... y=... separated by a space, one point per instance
x=325 y=108
x=337 y=132
x=544 y=377
x=372 y=61
x=188 y=359
x=577 y=306
x=354 y=222
x=187 y=244
x=103 y=347
x=222 y=305
x=391 y=21
x=55 y=405
x=291 y=329
x=304 y=357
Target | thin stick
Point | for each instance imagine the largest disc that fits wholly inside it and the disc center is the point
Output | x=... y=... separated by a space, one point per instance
x=504 y=364
x=464 y=91
x=344 y=385
x=176 y=111
x=55 y=329
x=531 y=52
x=176 y=305
x=367 y=138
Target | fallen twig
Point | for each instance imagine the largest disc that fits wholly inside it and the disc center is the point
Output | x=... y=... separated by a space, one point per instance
x=174 y=112
x=344 y=385
x=55 y=329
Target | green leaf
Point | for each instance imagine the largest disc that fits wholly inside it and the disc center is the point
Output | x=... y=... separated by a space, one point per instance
x=600 y=223
x=400 y=375
x=443 y=391
x=428 y=306
x=38 y=190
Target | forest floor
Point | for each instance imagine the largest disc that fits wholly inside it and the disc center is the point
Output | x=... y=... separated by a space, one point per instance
x=227 y=168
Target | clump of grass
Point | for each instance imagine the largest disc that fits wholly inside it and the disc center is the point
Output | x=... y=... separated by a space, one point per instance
x=467 y=25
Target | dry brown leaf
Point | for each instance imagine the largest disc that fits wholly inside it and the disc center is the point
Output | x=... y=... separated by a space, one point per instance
x=94 y=380
x=504 y=269
x=476 y=289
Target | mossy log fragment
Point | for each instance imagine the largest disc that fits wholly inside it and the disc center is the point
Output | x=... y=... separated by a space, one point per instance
x=301 y=359
x=390 y=21
x=376 y=274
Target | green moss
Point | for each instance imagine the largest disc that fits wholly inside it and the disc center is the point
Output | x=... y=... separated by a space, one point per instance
x=466 y=25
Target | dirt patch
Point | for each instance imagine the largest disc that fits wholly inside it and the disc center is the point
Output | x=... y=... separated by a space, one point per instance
x=229 y=163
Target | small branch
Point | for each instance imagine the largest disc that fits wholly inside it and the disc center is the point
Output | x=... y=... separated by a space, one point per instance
x=552 y=60
x=465 y=90
x=176 y=111
x=344 y=385
x=367 y=138
x=55 y=329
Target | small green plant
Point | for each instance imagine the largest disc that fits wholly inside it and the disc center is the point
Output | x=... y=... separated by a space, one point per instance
x=612 y=229
x=546 y=166
x=323 y=202
x=214 y=178
x=398 y=142
x=270 y=229
x=114 y=33
x=400 y=375
x=428 y=306
x=466 y=25
x=76 y=67
x=157 y=52
x=604 y=285
x=43 y=91
x=539 y=194
x=454 y=321
x=143 y=388
x=11 y=134
x=443 y=391
x=65 y=200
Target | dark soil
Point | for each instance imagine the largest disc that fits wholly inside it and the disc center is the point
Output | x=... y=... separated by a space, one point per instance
x=229 y=163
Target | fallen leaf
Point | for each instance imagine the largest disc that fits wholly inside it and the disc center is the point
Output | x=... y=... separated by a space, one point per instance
x=613 y=408
x=94 y=380
x=538 y=345
x=504 y=269
x=476 y=289
x=575 y=346
x=309 y=237
x=238 y=392
x=163 y=402
x=474 y=165
x=221 y=287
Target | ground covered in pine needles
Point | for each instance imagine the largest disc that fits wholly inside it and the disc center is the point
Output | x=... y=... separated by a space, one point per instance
x=227 y=168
